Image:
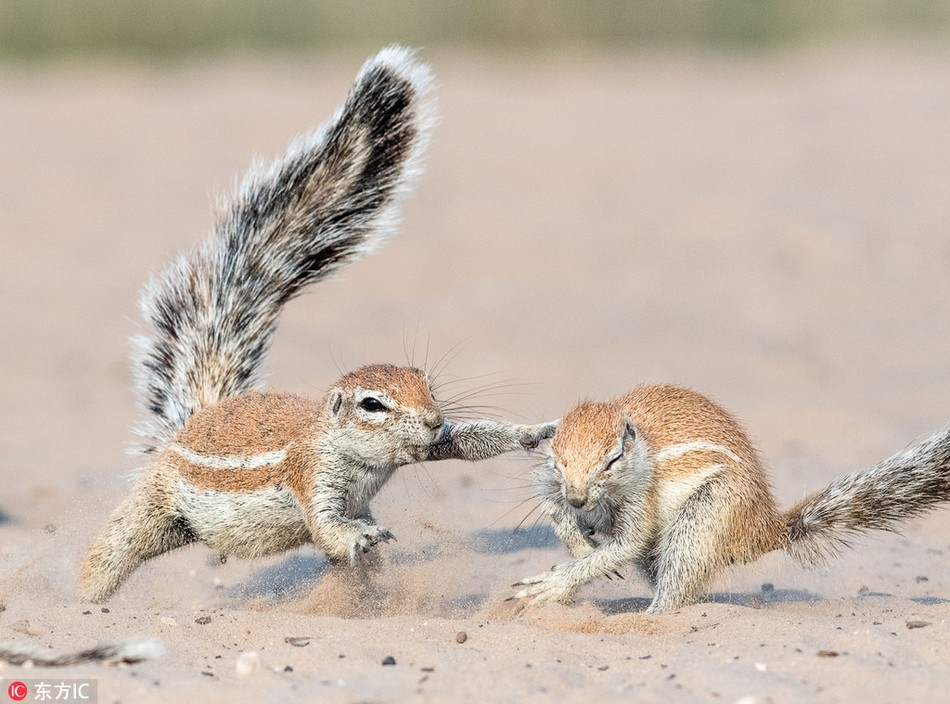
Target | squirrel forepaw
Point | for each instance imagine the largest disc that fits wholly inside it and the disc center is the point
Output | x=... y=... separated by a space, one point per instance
x=532 y=435
x=370 y=536
x=548 y=586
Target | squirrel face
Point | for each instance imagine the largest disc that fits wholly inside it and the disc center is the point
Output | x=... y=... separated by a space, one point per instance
x=383 y=415
x=596 y=453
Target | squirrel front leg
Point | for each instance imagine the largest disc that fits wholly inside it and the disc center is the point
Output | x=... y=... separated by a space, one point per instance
x=578 y=541
x=484 y=439
x=560 y=583
x=341 y=537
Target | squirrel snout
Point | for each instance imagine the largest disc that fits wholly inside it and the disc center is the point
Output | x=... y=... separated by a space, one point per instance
x=576 y=497
x=433 y=420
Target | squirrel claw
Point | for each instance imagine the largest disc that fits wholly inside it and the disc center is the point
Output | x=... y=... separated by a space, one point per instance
x=527 y=581
x=532 y=435
x=550 y=586
x=370 y=536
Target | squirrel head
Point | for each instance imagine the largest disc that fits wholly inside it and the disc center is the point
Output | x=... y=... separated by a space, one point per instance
x=595 y=453
x=383 y=415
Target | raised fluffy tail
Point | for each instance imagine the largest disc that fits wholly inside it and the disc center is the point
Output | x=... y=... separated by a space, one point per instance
x=902 y=487
x=331 y=198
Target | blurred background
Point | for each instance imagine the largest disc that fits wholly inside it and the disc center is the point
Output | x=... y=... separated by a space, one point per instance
x=31 y=28
x=751 y=197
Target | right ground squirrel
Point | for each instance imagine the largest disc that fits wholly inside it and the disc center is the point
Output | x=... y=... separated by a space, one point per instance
x=252 y=473
x=665 y=479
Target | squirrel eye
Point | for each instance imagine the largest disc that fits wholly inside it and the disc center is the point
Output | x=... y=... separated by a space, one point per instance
x=612 y=462
x=372 y=405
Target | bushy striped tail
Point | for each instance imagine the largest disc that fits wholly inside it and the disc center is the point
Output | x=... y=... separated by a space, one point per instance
x=331 y=198
x=880 y=498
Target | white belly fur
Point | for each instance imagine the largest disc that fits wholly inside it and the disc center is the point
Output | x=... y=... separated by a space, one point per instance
x=673 y=494
x=244 y=524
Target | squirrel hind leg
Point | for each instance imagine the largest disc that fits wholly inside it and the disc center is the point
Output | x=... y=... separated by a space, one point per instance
x=143 y=527
x=691 y=551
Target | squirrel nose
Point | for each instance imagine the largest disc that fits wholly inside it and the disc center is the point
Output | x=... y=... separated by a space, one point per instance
x=433 y=420
x=576 y=498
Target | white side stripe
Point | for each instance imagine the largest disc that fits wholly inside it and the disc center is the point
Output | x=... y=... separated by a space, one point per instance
x=265 y=459
x=685 y=448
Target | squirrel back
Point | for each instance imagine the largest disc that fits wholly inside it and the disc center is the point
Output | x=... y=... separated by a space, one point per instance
x=332 y=198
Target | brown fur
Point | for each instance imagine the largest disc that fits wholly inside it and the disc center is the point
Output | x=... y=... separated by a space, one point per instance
x=251 y=423
x=667 y=415
x=584 y=436
x=266 y=422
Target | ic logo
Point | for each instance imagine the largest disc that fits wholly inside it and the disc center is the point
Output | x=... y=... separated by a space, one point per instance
x=17 y=691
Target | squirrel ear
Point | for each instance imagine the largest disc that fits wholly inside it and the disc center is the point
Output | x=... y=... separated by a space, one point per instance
x=335 y=403
x=629 y=430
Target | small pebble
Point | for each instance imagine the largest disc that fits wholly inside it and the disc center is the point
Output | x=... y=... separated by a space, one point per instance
x=917 y=624
x=863 y=589
x=461 y=637
x=104 y=609
x=922 y=578
x=427 y=669
x=203 y=620
x=23 y=626
x=604 y=668
x=248 y=663
x=828 y=653
x=389 y=660
x=298 y=641
x=288 y=668
x=768 y=587
x=84 y=613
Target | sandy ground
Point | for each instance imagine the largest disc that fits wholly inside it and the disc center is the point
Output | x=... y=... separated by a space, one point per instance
x=772 y=230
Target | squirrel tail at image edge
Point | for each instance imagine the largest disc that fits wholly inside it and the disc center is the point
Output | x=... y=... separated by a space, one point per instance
x=902 y=487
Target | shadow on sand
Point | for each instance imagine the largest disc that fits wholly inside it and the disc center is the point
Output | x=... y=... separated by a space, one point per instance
x=754 y=600
x=289 y=579
x=505 y=541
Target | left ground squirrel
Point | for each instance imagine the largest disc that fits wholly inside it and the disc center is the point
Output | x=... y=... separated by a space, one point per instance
x=251 y=473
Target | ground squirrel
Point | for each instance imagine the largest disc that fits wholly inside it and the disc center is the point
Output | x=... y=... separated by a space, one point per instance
x=664 y=478
x=252 y=473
